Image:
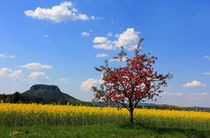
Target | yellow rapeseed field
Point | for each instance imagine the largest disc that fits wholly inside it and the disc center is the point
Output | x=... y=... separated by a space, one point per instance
x=88 y=115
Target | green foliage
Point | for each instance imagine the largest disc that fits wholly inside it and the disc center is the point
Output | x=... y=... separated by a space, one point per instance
x=107 y=130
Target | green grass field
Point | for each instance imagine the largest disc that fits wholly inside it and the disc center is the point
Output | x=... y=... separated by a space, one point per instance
x=33 y=120
x=107 y=130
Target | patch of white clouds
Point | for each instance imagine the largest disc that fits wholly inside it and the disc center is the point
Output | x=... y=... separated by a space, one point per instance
x=58 y=13
x=45 y=36
x=16 y=75
x=102 y=55
x=109 y=34
x=172 y=93
x=193 y=94
x=194 y=83
x=35 y=65
x=85 y=34
x=38 y=76
x=96 y=18
x=207 y=57
x=11 y=56
x=102 y=43
x=65 y=80
x=86 y=85
x=4 y=56
x=206 y=73
x=198 y=94
x=4 y=71
x=128 y=39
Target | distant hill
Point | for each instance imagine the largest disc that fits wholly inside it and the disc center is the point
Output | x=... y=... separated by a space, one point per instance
x=48 y=92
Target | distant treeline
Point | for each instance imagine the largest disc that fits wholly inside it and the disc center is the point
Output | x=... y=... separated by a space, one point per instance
x=19 y=98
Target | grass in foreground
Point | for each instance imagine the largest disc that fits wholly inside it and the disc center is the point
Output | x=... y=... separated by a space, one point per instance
x=108 y=130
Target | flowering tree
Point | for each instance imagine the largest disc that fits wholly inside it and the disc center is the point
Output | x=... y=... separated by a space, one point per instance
x=129 y=85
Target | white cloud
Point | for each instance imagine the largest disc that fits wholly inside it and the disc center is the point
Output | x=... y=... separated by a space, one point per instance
x=11 y=56
x=172 y=94
x=198 y=94
x=102 y=55
x=86 y=85
x=207 y=57
x=100 y=40
x=93 y=17
x=182 y=94
x=85 y=34
x=45 y=36
x=36 y=66
x=4 y=56
x=206 y=73
x=4 y=71
x=194 y=84
x=16 y=75
x=107 y=46
x=38 y=76
x=57 y=13
x=109 y=34
x=96 y=18
x=128 y=39
x=65 y=80
x=104 y=43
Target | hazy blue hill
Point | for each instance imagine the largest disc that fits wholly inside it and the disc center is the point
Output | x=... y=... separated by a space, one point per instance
x=47 y=92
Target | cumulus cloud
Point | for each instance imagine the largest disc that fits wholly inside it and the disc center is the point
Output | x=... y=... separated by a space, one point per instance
x=172 y=93
x=206 y=73
x=99 y=40
x=4 y=56
x=58 y=13
x=207 y=57
x=36 y=66
x=16 y=75
x=194 y=84
x=4 y=71
x=102 y=55
x=86 y=85
x=85 y=34
x=198 y=94
x=128 y=39
x=38 y=76
x=103 y=43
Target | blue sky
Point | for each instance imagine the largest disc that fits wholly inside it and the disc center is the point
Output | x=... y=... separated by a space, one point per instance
x=59 y=42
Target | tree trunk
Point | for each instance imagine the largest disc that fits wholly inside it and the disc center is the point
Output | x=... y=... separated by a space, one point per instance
x=131 y=117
